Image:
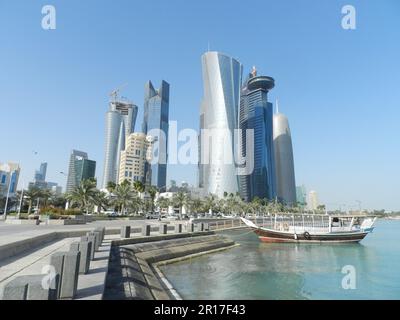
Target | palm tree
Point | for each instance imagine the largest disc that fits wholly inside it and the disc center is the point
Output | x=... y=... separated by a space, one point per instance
x=163 y=203
x=57 y=201
x=101 y=200
x=195 y=205
x=123 y=195
x=84 y=194
x=152 y=192
x=32 y=194
x=45 y=194
x=138 y=186
x=210 y=203
x=136 y=204
x=179 y=199
x=111 y=186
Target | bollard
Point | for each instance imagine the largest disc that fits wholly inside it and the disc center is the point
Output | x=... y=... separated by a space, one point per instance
x=32 y=287
x=178 y=228
x=202 y=226
x=85 y=248
x=125 y=232
x=146 y=230
x=191 y=227
x=102 y=231
x=90 y=239
x=67 y=265
x=97 y=240
x=163 y=229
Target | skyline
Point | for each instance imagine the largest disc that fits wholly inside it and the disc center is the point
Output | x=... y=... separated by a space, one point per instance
x=338 y=151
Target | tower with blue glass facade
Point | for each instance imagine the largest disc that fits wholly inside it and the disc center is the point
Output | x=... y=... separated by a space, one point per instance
x=256 y=114
x=155 y=124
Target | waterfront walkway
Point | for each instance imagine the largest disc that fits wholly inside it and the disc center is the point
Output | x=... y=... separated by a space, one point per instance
x=26 y=249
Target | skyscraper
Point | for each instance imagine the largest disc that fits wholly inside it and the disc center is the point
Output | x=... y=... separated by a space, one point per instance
x=134 y=158
x=120 y=122
x=80 y=168
x=155 y=124
x=9 y=175
x=256 y=114
x=40 y=175
x=219 y=118
x=301 y=195
x=313 y=200
x=284 y=163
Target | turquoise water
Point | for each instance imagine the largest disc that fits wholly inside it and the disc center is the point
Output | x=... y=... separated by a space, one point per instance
x=257 y=270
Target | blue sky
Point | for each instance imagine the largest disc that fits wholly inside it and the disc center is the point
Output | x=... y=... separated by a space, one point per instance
x=339 y=88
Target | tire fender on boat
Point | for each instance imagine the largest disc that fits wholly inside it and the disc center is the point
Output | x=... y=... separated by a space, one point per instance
x=307 y=235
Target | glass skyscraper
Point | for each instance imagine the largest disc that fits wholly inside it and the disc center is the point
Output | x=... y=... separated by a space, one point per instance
x=222 y=76
x=155 y=124
x=120 y=122
x=40 y=175
x=256 y=114
x=80 y=168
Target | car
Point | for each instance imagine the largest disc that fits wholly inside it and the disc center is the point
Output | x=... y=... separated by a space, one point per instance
x=152 y=215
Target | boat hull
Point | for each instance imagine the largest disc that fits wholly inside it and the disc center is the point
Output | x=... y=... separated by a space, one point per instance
x=266 y=235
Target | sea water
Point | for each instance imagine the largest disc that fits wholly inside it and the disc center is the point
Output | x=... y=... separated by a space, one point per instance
x=254 y=270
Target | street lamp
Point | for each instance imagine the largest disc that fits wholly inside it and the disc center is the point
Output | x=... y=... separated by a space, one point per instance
x=8 y=195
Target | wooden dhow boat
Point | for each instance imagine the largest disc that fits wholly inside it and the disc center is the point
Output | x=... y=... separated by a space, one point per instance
x=311 y=228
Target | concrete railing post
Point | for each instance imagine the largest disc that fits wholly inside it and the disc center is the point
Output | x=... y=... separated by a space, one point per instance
x=206 y=226
x=102 y=231
x=97 y=240
x=92 y=240
x=125 y=232
x=146 y=230
x=163 y=229
x=32 y=287
x=67 y=265
x=85 y=248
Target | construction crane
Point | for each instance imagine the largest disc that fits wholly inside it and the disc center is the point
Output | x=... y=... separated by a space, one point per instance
x=114 y=93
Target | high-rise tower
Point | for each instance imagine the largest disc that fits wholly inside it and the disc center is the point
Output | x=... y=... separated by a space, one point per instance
x=120 y=122
x=256 y=114
x=284 y=163
x=218 y=119
x=155 y=124
x=80 y=168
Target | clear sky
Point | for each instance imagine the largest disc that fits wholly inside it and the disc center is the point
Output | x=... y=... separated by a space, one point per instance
x=339 y=88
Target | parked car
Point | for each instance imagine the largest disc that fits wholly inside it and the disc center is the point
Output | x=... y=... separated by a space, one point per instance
x=152 y=215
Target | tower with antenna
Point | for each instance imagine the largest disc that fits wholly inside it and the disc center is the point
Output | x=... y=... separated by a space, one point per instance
x=256 y=115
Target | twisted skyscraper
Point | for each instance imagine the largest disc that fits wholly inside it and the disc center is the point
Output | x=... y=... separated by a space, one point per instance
x=218 y=120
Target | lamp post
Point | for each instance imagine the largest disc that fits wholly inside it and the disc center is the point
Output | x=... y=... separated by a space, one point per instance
x=20 y=201
x=8 y=195
x=66 y=203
